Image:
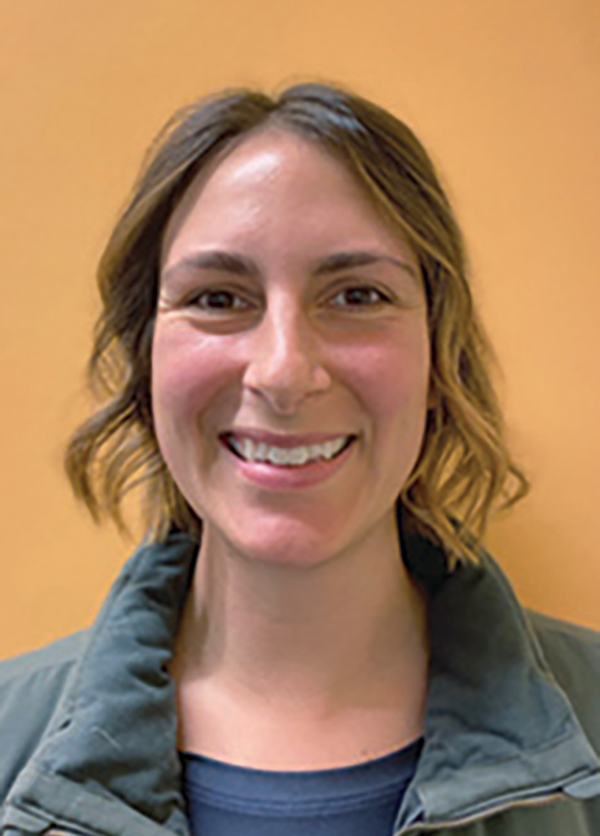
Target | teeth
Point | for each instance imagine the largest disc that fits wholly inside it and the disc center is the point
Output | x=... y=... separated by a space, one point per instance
x=277 y=455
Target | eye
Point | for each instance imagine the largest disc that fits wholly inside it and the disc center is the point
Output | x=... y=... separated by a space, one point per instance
x=360 y=297
x=218 y=300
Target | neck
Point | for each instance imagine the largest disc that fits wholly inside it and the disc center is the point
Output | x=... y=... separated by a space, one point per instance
x=318 y=641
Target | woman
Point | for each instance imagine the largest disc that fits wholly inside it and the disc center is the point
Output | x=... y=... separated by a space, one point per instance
x=311 y=639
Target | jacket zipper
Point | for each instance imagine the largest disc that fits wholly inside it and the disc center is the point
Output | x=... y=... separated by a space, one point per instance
x=475 y=817
x=418 y=827
x=413 y=828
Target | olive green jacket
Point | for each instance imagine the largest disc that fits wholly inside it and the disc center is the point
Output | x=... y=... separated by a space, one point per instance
x=512 y=734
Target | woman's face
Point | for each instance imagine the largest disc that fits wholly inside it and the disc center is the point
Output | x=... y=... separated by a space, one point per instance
x=288 y=314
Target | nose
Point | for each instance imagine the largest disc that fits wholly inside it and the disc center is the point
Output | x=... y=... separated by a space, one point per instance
x=286 y=359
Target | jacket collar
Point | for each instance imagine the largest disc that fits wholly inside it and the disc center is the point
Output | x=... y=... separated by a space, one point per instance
x=498 y=728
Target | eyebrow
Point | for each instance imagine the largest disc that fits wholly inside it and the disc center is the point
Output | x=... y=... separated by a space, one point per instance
x=359 y=258
x=230 y=262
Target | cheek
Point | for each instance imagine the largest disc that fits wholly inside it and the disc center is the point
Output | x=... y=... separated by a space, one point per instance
x=391 y=377
x=187 y=372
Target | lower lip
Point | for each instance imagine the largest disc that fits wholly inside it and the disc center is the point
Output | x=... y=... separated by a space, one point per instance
x=289 y=478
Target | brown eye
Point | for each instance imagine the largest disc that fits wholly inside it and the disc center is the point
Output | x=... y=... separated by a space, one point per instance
x=218 y=300
x=357 y=297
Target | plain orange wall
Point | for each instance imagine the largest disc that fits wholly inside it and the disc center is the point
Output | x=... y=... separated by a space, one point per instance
x=504 y=94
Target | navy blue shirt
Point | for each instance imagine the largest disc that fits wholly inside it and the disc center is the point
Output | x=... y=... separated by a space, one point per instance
x=359 y=800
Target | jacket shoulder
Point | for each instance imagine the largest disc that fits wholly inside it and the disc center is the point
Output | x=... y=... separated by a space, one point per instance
x=30 y=689
x=573 y=655
x=60 y=652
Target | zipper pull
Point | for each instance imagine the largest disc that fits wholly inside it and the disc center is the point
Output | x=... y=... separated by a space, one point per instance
x=584 y=788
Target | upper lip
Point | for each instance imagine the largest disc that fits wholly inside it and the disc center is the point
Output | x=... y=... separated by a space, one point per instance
x=286 y=441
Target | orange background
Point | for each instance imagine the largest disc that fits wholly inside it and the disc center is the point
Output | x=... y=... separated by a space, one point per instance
x=504 y=94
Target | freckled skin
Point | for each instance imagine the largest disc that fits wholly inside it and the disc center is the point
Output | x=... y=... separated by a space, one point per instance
x=291 y=360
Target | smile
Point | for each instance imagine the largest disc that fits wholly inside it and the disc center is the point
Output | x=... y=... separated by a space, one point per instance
x=251 y=451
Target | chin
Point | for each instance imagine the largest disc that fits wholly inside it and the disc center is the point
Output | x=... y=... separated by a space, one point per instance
x=283 y=543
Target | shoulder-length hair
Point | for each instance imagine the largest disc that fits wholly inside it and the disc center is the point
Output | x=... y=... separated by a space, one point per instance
x=464 y=468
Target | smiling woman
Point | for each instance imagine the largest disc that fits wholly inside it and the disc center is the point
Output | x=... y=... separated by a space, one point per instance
x=311 y=636
x=280 y=225
x=464 y=467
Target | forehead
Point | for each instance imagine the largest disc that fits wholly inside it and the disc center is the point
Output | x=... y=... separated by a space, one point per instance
x=275 y=185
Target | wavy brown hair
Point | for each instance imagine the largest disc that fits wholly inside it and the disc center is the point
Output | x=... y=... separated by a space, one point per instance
x=464 y=468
